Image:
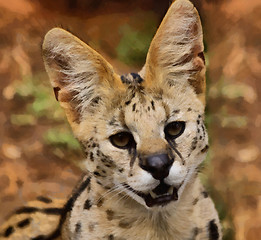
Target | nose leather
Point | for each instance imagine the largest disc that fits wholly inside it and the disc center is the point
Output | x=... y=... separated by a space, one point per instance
x=157 y=165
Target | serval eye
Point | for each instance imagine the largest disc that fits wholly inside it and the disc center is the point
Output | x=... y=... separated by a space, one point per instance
x=174 y=129
x=122 y=140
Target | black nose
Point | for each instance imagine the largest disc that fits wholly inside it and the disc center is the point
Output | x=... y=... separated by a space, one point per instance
x=157 y=165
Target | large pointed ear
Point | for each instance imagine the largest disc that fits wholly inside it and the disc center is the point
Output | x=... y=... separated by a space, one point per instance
x=80 y=77
x=176 y=52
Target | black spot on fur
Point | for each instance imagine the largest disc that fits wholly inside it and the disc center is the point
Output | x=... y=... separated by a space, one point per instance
x=78 y=227
x=128 y=102
x=203 y=129
x=86 y=153
x=194 y=143
x=198 y=121
x=97 y=173
x=26 y=210
x=24 y=223
x=204 y=149
x=91 y=226
x=51 y=211
x=8 y=231
x=100 y=202
x=111 y=237
x=98 y=152
x=213 y=230
x=40 y=237
x=44 y=199
x=195 y=201
x=98 y=182
x=205 y=194
x=133 y=107
x=195 y=232
x=153 y=105
x=112 y=121
x=189 y=109
x=91 y=156
x=87 y=204
x=110 y=214
x=123 y=224
x=176 y=111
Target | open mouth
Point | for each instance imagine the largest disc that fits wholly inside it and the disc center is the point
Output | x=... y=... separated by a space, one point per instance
x=159 y=196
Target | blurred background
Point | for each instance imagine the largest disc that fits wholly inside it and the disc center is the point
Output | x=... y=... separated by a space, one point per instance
x=36 y=145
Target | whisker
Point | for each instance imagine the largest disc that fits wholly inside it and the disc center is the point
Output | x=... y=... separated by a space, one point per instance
x=117 y=194
x=110 y=191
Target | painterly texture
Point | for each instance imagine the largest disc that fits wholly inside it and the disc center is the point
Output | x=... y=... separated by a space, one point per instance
x=147 y=188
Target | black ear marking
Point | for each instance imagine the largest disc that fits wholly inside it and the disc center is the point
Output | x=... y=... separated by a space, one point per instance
x=56 y=92
x=201 y=55
x=131 y=78
x=137 y=78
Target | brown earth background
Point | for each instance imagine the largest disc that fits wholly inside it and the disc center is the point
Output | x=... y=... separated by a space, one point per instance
x=36 y=145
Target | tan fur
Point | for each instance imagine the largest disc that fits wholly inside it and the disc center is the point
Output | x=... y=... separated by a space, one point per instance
x=111 y=199
x=173 y=54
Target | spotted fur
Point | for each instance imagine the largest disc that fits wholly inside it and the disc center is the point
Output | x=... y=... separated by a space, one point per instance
x=121 y=197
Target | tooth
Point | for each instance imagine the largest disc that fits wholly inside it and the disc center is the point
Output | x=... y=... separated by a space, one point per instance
x=171 y=190
x=153 y=195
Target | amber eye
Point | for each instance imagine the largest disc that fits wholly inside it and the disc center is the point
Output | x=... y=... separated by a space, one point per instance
x=122 y=140
x=174 y=129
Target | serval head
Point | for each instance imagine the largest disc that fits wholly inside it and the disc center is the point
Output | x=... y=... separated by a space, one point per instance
x=143 y=133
